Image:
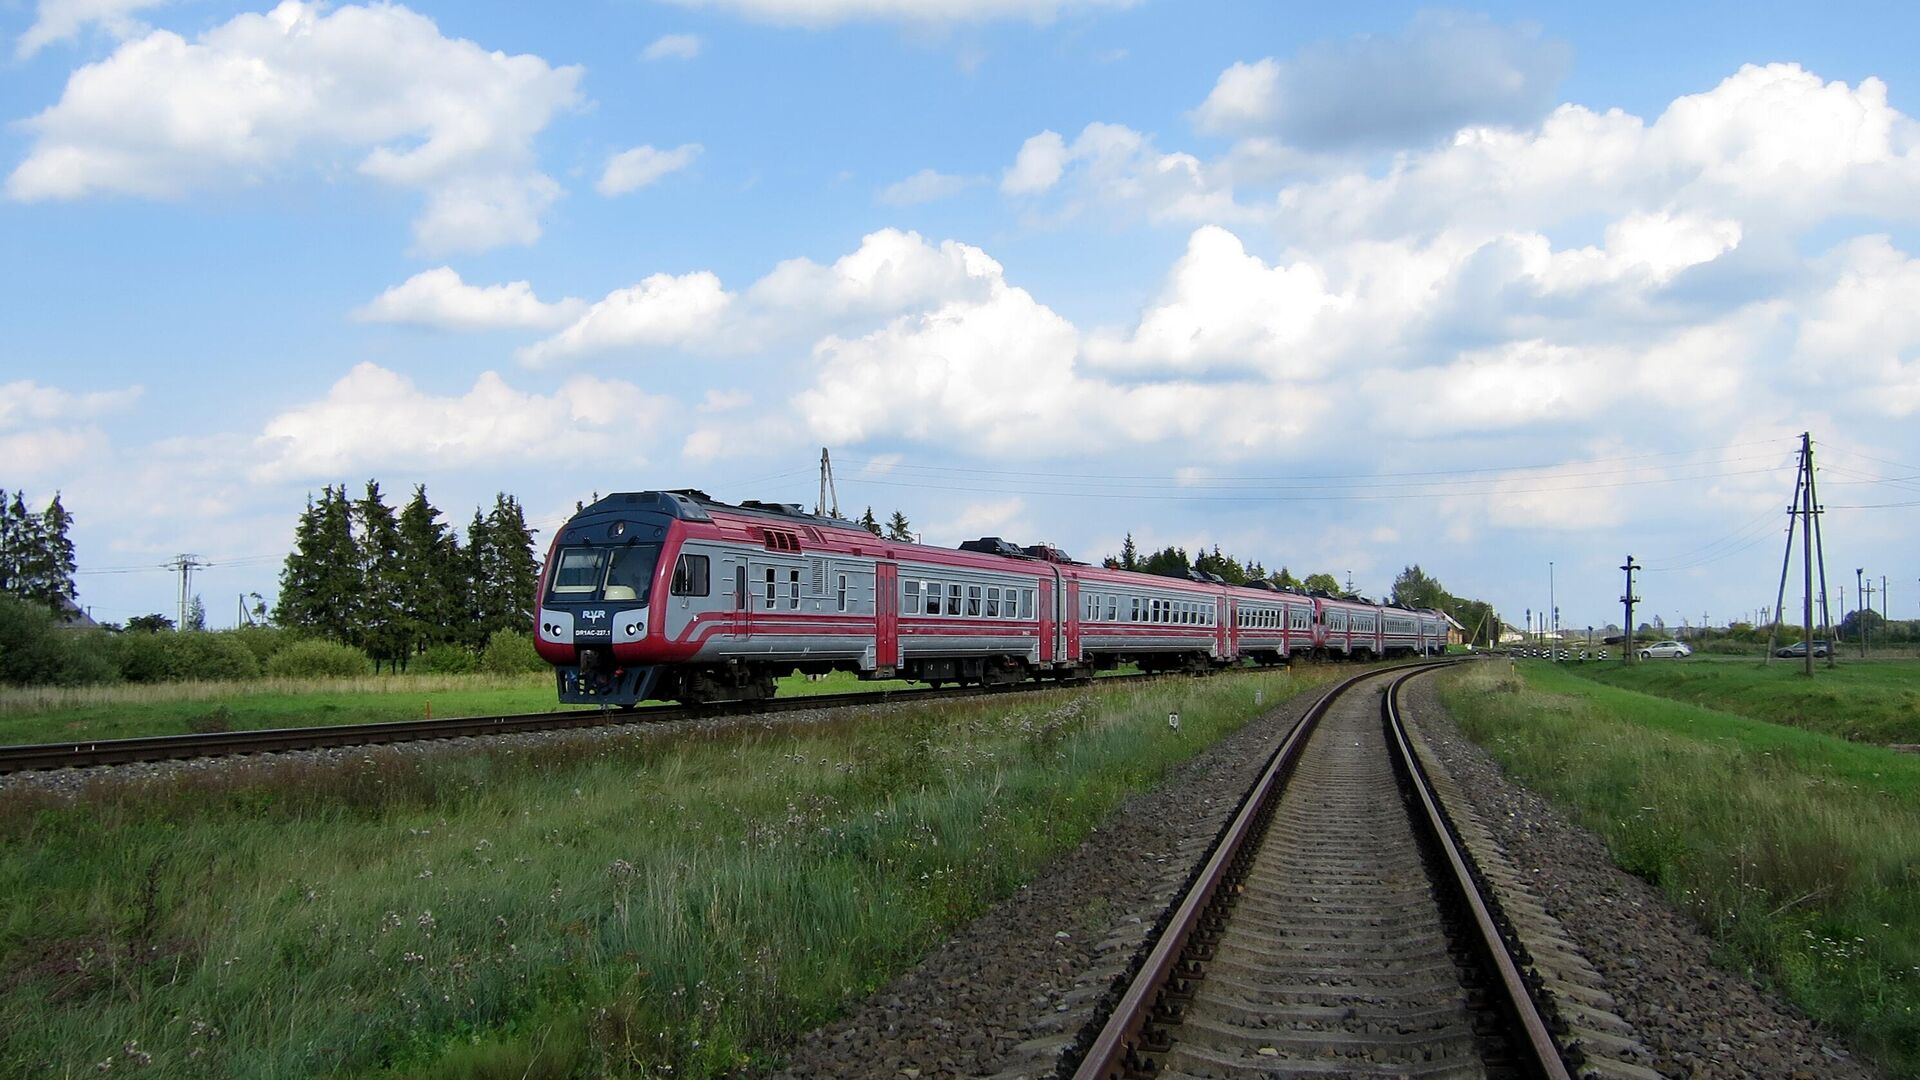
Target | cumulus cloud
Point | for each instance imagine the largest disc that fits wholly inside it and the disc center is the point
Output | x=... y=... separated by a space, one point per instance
x=631 y=170
x=438 y=298
x=375 y=417
x=673 y=47
x=1443 y=73
x=257 y=96
x=819 y=13
x=25 y=401
x=924 y=186
x=1038 y=166
x=63 y=20
x=1116 y=167
x=891 y=271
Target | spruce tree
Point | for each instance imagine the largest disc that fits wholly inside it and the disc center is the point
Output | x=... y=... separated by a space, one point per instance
x=382 y=629
x=320 y=581
x=474 y=561
x=869 y=522
x=432 y=581
x=55 y=585
x=1129 y=554
x=510 y=574
x=19 y=545
x=898 y=528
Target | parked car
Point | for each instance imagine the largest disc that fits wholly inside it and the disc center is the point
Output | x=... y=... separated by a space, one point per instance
x=1799 y=649
x=1665 y=649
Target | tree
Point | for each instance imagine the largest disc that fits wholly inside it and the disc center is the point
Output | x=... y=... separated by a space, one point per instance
x=505 y=572
x=1226 y=566
x=899 y=529
x=149 y=624
x=869 y=522
x=1285 y=580
x=1414 y=589
x=1169 y=561
x=383 y=631
x=432 y=579
x=53 y=585
x=320 y=581
x=1325 y=583
x=1129 y=554
x=196 y=615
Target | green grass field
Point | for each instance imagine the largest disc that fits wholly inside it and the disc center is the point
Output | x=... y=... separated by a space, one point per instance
x=1798 y=851
x=122 y=711
x=637 y=906
x=1871 y=701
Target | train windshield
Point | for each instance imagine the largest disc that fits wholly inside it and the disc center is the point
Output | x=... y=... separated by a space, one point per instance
x=598 y=573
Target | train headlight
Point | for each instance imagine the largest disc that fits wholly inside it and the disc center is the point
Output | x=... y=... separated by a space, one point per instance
x=632 y=629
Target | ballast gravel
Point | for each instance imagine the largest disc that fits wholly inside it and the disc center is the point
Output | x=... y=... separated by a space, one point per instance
x=1010 y=990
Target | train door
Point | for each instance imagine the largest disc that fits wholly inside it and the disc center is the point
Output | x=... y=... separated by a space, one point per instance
x=1070 y=622
x=886 y=621
x=1049 y=621
x=1222 y=628
x=742 y=621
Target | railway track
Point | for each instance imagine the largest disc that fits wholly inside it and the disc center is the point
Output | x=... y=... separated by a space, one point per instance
x=1336 y=929
x=92 y=753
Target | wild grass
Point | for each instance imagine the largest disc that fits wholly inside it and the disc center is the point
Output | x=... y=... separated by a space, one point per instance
x=1799 y=852
x=1872 y=701
x=635 y=906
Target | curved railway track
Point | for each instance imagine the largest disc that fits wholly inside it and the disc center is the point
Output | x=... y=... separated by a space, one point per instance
x=92 y=753
x=1336 y=929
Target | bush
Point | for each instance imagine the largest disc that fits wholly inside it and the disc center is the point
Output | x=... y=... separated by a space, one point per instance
x=510 y=652
x=37 y=651
x=265 y=641
x=182 y=655
x=314 y=658
x=446 y=660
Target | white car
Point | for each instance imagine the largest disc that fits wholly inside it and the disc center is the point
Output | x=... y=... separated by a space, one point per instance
x=1662 y=649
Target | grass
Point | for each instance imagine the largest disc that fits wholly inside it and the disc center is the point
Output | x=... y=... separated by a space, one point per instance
x=1877 y=701
x=638 y=906
x=57 y=714
x=1798 y=851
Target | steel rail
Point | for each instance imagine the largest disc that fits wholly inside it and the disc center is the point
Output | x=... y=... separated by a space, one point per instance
x=93 y=753
x=1516 y=1000
x=1114 y=1051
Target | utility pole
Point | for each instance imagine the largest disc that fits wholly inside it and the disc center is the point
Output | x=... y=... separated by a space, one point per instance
x=1626 y=656
x=1860 y=623
x=1865 y=627
x=826 y=506
x=185 y=565
x=1807 y=510
x=1553 y=608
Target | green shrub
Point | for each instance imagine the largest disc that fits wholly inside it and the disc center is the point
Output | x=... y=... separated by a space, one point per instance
x=36 y=651
x=446 y=660
x=510 y=652
x=183 y=655
x=265 y=641
x=315 y=658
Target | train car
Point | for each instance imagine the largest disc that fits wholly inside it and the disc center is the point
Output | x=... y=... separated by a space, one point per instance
x=674 y=595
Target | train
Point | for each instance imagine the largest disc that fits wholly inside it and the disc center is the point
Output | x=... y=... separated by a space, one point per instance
x=673 y=595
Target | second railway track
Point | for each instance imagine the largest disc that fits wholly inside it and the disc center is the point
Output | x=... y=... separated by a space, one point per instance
x=1335 y=930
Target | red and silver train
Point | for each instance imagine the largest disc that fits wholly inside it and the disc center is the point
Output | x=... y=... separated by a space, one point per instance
x=672 y=595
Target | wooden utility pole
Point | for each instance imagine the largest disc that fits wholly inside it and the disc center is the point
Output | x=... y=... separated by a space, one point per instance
x=1627 y=598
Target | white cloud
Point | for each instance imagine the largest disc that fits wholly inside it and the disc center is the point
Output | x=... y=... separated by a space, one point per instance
x=633 y=169
x=34 y=454
x=439 y=298
x=63 y=20
x=891 y=271
x=993 y=517
x=260 y=94
x=819 y=13
x=673 y=47
x=1860 y=335
x=1445 y=72
x=374 y=417
x=924 y=186
x=1038 y=166
x=25 y=401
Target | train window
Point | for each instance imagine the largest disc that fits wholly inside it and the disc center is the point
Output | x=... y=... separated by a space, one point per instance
x=843 y=592
x=993 y=601
x=953 y=599
x=911 y=601
x=793 y=596
x=692 y=576
x=1010 y=607
x=1113 y=608
x=973 y=601
x=740 y=588
x=1026 y=603
x=769 y=588
x=577 y=571
x=933 y=598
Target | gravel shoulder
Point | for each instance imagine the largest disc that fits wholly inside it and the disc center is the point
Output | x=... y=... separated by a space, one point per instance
x=1008 y=991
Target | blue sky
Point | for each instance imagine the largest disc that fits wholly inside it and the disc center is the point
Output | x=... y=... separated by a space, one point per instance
x=1338 y=287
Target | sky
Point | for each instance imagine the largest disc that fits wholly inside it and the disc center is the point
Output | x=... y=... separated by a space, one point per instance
x=1510 y=292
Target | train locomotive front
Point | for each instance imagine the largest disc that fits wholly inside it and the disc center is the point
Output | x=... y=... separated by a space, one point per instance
x=602 y=597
